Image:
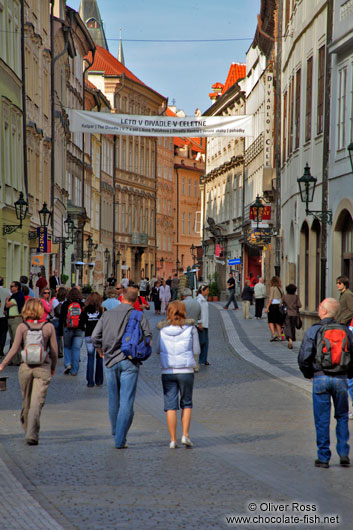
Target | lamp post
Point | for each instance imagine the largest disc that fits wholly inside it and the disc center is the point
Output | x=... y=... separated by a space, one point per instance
x=307 y=185
x=118 y=256
x=162 y=265
x=192 y=252
x=44 y=219
x=106 y=257
x=350 y=152
x=21 y=209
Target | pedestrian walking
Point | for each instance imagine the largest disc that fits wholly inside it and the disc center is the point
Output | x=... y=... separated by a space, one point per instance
x=111 y=281
x=124 y=281
x=193 y=312
x=155 y=297
x=174 y=287
x=112 y=299
x=23 y=282
x=260 y=294
x=293 y=304
x=41 y=282
x=14 y=305
x=58 y=301
x=47 y=301
x=164 y=296
x=231 y=292
x=69 y=329
x=275 y=320
x=178 y=345
x=89 y=318
x=142 y=286
x=202 y=327
x=54 y=280
x=247 y=297
x=4 y=294
x=345 y=313
x=326 y=357
x=34 y=379
x=121 y=372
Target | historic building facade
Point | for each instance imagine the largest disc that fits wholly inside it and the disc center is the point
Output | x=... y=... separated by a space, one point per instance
x=222 y=185
x=135 y=167
x=340 y=240
x=304 y=49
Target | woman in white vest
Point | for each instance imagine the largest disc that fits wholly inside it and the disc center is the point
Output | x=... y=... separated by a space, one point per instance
x=177 y=345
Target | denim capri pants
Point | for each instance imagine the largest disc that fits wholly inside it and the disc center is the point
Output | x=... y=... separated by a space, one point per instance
x=172 y=385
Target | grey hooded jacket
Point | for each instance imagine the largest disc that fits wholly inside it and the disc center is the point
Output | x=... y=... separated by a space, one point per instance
x=109 y=332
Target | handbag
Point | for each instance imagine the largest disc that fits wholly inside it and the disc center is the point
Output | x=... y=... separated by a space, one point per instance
x=298 y=322
x=283 y=310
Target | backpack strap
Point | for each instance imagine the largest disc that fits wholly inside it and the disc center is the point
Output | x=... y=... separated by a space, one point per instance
x=36 y=329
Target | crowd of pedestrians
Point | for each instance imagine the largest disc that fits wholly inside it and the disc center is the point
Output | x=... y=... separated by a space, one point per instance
x=118 y=338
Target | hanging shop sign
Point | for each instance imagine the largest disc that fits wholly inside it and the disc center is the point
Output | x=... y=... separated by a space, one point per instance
x=132 y=125
x=269 y=114
x=42 y=235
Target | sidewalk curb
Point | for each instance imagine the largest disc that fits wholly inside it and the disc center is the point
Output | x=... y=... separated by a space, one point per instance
x=239 y=347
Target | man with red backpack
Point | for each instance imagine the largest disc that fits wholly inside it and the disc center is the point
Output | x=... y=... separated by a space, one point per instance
x=72 y=331
x=326 y=356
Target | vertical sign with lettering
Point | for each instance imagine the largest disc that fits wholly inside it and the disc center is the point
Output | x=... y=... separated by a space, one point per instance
x=42 y=239
x=268 y=137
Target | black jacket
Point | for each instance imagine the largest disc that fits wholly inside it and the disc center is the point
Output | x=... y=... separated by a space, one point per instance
x=307 y=352
x=247 y=293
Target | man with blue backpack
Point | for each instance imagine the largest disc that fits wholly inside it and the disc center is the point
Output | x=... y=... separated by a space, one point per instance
x=124 y=338
x=326 y=357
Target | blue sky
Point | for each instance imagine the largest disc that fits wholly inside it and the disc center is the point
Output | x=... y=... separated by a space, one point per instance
x=181 y=71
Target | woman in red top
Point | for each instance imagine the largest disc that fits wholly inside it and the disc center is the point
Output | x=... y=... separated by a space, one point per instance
x=47 y=302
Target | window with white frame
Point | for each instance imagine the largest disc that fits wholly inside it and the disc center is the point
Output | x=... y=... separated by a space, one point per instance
x=341 y=107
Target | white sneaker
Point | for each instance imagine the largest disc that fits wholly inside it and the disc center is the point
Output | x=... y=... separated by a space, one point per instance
x=186 y=441
x=173 y=445
x=350 y=416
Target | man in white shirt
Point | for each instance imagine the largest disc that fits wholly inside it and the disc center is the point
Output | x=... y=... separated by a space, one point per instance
x=260 y=296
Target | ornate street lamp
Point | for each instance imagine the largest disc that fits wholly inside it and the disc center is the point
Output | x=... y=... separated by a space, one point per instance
x=350 y=151
x=257 y=209
x=193 y=248
x=106 y=257
x=44 y=216
x=118 y=256
x=21 y=209
x=307 y=185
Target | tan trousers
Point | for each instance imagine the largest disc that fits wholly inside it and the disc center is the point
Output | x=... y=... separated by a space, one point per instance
x=13 y=324
x=34 y=384
x=246 y=309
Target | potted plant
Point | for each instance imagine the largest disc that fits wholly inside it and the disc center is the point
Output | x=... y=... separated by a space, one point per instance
x=214 y=291
x=64 y=278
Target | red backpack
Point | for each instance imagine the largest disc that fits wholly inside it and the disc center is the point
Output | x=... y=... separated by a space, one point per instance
x=332 y=354
x=73 y=315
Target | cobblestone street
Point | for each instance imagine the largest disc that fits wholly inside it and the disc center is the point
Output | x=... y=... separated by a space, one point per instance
x=254 y=439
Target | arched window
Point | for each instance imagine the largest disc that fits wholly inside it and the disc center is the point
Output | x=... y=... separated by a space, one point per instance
x=347 y=247
x=92 y=23
x=304 y=268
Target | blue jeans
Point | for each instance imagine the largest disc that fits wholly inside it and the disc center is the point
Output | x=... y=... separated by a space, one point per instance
x=122 y=382
x=350 y=388
x=91 y=354
x=324 y=388
x=203 y=338
x=231 y=299
x=73 y=339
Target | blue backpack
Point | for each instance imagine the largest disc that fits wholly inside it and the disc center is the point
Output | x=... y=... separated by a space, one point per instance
x=134 y=344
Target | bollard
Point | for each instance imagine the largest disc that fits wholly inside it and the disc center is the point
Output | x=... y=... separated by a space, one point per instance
x=3 y=383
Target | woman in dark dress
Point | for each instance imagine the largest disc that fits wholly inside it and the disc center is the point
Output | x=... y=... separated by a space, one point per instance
x=293 y=303
x=155 y=297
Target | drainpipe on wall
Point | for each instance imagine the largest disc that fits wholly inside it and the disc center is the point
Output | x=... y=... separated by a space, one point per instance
x=24 y=106
x=326 y=147
x=177 y=230
x=278 y=140
x=155 y=207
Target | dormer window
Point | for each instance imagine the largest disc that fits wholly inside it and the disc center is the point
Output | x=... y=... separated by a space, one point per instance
x=92 y=23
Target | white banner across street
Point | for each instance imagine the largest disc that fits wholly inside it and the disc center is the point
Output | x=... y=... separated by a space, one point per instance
x=104 y=123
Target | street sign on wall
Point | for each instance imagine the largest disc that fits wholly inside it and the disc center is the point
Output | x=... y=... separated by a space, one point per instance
x=234 y=261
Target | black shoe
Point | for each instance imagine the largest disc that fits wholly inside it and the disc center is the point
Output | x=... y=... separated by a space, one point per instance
x=60 y=355
x=67 y=370
x=318 y=463
x=32 y=442
x=344 y=461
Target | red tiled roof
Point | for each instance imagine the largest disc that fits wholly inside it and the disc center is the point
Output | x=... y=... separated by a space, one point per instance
x=236 y=71
x=218 y=86
x=107 y=63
